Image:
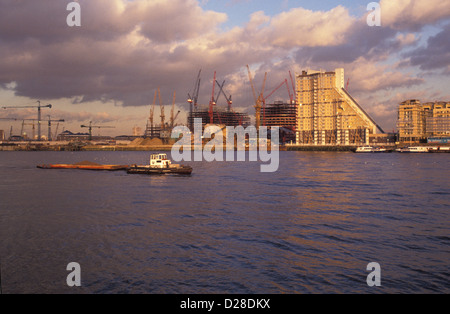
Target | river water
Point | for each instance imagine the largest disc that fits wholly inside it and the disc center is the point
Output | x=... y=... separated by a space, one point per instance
x=311 y=227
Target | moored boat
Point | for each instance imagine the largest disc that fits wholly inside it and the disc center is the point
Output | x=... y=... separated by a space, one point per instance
x=370 y=149
x=413 y=149
x=439 y=149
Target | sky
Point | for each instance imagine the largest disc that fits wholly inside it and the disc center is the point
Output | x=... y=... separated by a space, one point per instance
x=108 y=69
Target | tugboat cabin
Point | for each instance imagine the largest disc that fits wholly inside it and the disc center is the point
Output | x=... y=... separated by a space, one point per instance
x=159 y=161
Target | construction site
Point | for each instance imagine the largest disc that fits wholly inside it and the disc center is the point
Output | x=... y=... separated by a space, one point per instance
x=314 y=109
x=213 y=113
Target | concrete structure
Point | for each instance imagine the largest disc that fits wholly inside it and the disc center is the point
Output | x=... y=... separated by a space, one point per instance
x=221 y=116
x=417 y=121
x=327 y=114
x=283 y=115
x=2 y=135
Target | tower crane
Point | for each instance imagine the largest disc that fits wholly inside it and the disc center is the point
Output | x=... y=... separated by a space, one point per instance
x=50 y=127
x=30 y=124
x=293 y=99
x=9 y=119
x=39 y=107
x=229 y=101
x=173 y=117
x=163 y=116
x=212 y=102
x=90 y=127
x=271 y=93
x=221 y=91
x=193 y=100
x=56 y=131
x=150 y=119
x=258 y=100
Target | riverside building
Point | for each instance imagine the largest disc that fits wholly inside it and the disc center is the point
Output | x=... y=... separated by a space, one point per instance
x=327 y=114
x=417 y=121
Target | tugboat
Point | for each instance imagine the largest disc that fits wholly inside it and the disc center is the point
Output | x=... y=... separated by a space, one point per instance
x=160 y=164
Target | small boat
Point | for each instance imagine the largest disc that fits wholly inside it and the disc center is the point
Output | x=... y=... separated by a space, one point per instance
x=439 y=149
x=85 y=165
x=160 y=164
x=413 y=149
x=370 y=149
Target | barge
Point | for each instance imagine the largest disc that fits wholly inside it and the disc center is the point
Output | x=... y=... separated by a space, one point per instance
x=85 y=165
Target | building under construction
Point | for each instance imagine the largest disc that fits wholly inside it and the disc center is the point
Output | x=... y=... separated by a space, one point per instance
x=152 y=131
x=283 y=115
x=227 y=117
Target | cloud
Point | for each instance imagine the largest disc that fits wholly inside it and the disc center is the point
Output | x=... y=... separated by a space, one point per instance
x=301 y=27
x=167 y=21
x=125 y=50
x=370 y=77
x=436 y=55
x=413 y=14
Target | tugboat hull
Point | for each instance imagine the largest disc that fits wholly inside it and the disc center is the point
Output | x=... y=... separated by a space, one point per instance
x=181 y=170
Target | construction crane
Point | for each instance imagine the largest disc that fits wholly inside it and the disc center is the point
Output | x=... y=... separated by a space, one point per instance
x=193 y=100
x=23 y=126
x=163 y=116
x=9 y=119
x=50 y=127
x=39 y=107
x=56 y=131
x=173 y=117
x=293 y=99
x=258 y=100
x=229 y=101
x=212 y=102
x=32 y=123
x=152 y=113
x=221 y=91
x=90 y=127
x=270 y=94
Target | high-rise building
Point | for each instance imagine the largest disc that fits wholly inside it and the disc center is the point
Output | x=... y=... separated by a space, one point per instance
x=411 y=121
x=438 y=119
x=417 y=121
x=327 y=114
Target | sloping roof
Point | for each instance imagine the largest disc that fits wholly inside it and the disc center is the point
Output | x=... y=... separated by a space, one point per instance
x=363 y=111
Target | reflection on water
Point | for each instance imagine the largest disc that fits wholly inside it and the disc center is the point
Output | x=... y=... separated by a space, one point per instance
x=311 y=227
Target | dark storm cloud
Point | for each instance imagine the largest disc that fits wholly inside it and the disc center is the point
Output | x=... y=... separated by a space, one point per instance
x=436 y=55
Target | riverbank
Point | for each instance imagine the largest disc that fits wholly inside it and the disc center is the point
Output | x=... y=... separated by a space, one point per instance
x=80 y=146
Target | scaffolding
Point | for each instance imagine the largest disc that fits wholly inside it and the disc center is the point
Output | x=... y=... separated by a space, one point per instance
x=220 y=116
x=281 y=114
x=152 y=131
